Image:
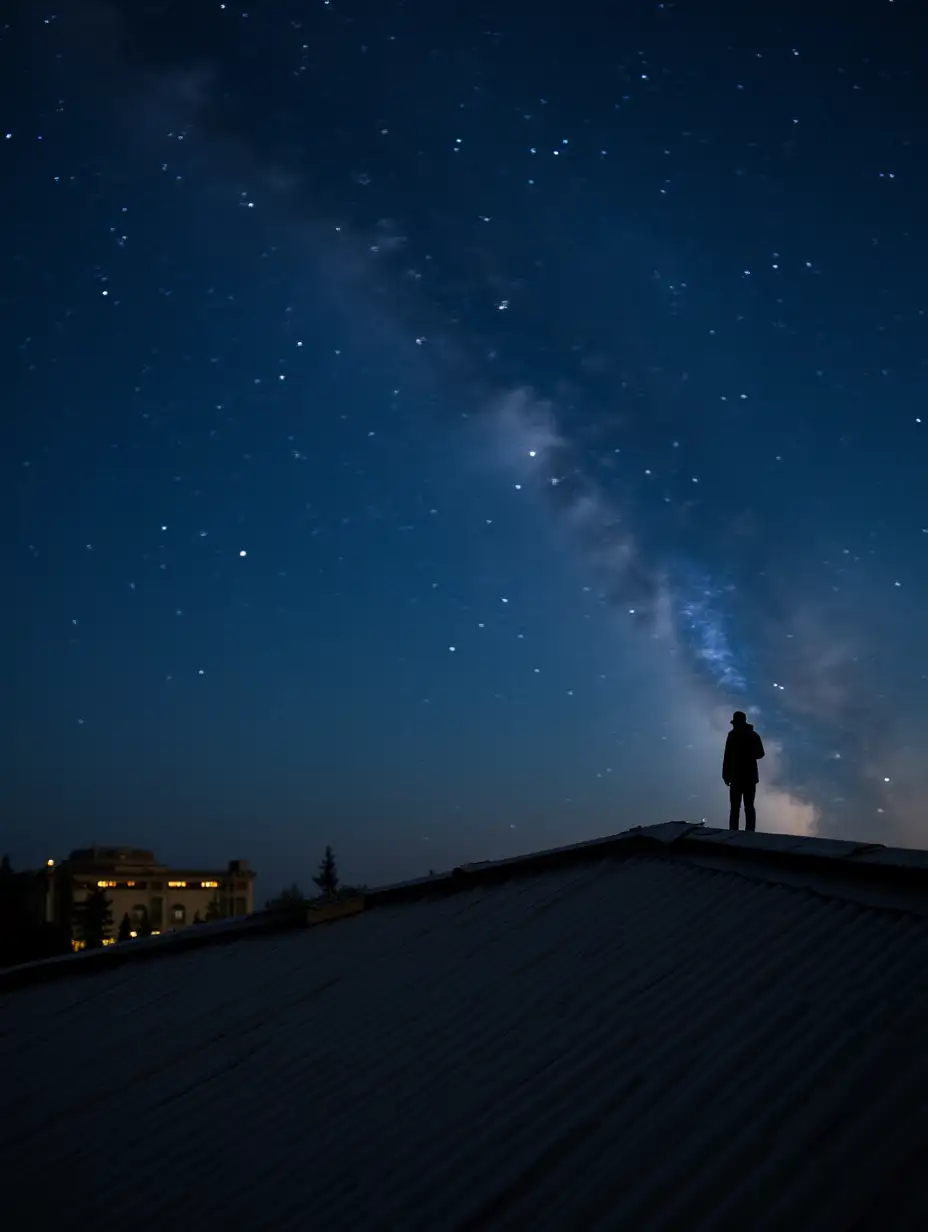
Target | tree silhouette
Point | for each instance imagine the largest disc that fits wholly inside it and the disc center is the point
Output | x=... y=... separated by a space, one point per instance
x=213 y=910
x=125 y=928
x=10 y=915
x=292 y=896
x=327 y=877
x=93 y=918
x=25 y=933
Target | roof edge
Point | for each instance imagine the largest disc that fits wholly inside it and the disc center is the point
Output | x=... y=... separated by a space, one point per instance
x=142 y=949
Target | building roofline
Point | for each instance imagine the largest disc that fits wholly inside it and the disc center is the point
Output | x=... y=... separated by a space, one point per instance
x=867 y=866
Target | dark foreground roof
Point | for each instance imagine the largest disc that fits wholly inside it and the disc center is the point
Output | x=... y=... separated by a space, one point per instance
x=673 y=1029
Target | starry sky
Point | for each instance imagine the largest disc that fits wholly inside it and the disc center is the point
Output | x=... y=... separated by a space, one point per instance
x=425 y=422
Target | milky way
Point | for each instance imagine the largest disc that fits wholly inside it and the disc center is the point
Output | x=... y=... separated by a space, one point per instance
x=602 y=354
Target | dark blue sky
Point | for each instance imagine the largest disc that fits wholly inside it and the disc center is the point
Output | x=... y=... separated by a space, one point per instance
x=425 y=423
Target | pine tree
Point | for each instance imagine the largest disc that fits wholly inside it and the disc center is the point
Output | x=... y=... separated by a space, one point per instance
x=94 y=918
x=327 y=877
x=125 y=928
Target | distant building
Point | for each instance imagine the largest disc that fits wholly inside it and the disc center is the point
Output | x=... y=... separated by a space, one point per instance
x=155 y=898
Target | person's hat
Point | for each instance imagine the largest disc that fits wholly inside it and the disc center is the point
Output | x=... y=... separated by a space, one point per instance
x=738 y=717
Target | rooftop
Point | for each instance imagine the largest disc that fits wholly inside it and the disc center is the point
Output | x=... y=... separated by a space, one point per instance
x=87 y=858
x=676 y=1027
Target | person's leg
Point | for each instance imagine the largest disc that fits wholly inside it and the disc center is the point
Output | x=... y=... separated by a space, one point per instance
x=734 y=796
x=750 y=815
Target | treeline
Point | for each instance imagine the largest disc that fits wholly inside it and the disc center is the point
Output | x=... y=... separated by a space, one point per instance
x=25 y=934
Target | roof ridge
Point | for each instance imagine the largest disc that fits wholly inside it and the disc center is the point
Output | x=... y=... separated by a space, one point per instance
x=896 y=865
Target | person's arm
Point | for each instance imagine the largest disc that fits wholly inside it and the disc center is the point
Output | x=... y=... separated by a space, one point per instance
x=725 y=768
x=760 y=746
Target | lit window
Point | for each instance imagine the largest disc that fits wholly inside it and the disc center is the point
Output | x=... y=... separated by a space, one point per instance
x=105 y=885
x=156 y=932
x=179 y=913
x=130 y=883
x=209 y=885
x=177 y=885
x=109 y=941
x=133 y=933
x=78 y=945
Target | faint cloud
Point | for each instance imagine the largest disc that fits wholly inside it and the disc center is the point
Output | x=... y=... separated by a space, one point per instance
x=782 y=808
x=525 y=431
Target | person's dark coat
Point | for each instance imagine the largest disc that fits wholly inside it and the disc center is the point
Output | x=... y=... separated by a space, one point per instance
x=743 y=750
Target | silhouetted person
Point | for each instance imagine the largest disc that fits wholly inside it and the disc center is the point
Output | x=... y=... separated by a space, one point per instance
x=743 y=750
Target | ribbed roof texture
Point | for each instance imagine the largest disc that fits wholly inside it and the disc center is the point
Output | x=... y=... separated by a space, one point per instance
x=625 y=1043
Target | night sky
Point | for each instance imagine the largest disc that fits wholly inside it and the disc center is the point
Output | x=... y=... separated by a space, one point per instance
x=425 y=422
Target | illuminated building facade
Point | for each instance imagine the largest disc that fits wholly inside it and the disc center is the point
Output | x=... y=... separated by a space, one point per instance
x=155 y=898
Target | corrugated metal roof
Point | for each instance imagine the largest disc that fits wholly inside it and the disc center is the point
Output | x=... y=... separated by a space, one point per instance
x=628 y=1043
